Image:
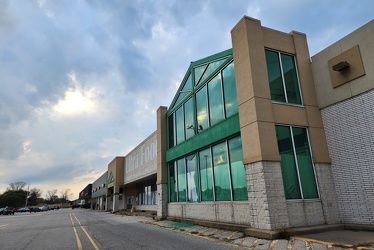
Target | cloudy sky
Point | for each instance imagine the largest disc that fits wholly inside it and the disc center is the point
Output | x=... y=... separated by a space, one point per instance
x=81 y=80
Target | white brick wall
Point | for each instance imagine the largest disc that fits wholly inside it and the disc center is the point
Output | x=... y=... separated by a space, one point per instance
x=162 y=197
x=349 y=127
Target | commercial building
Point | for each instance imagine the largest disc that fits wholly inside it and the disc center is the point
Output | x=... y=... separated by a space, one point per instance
x=115 y=199
x=245 y=138
x=260 y=136
x=140 y=175
x=85 y=197
x=99 y=192
x=344 y=80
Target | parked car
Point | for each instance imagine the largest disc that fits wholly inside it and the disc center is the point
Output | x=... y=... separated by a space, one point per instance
x=1 y=210
x=43 y=208
x=23 y=209
x=34 y=209
x=8 y=211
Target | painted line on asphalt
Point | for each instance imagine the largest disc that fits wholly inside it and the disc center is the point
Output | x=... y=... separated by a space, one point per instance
x=3 y=226
x=76 y=234
x=88 y=236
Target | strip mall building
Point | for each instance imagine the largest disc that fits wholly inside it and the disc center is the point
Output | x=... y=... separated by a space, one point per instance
x=261 y=135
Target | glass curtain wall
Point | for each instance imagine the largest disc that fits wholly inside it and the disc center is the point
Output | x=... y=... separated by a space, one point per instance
x=208 y=105
x=218 y=174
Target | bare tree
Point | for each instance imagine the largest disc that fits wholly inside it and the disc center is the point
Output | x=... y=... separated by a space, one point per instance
x=65 y=194
x=51 y=195
x=16 y=186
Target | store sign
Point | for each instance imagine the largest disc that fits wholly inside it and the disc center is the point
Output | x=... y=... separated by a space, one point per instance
x=110 y=178
x=142 y=161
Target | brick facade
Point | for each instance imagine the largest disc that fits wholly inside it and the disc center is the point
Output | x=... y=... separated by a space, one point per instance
x=350 y=135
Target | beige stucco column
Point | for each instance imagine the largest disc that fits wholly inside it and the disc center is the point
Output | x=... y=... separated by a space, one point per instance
x=162 y=192
x=267 y=204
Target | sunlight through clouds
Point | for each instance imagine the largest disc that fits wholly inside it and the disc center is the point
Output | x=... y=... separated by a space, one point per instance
x=76 y=101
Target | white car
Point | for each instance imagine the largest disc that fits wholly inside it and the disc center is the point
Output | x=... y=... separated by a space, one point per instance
x=43 y=208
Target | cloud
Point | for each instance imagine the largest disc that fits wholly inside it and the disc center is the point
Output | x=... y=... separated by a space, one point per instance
x=81 y=80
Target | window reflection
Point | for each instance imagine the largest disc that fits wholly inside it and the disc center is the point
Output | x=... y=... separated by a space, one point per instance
x=215 y=100
x=206 y=177
x=192 y=179
x=221 y=172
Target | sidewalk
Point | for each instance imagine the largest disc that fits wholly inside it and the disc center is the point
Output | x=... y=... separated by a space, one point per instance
x=333 y=240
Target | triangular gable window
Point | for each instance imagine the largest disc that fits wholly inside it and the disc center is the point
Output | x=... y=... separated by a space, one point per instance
x=203 y=72
x=187 y=88
x=198 y=73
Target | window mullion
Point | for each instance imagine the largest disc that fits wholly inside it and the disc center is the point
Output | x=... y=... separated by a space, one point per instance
x=207 y=104
x=297 y=165
x=283 y=81
x=223 y=96
x=177 y=181
x=185 y=177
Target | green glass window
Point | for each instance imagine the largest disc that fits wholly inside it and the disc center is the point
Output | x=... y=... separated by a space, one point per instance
x=181 y=180
x=199 y=72
x=296 y=162
x=229 y=87
x=238 y=175
x=192 y=179
x=221 y=172
x=179 y=124
x=202 y=110
x=282 y=75
x=189 y=119
x=216 y=112
x=206 y=177
x=304 y=163
x=172 y=183
x=290 y=79
x=187 y=88
x=211 y=68
x=171 y=130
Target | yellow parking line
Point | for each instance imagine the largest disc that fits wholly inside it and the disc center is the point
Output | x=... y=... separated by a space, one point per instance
x=76 y=235
x=88 y=236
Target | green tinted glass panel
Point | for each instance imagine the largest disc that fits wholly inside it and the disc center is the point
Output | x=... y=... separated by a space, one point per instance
x=180 y=97
x=215 y=100
x=206 y=177
x=305 y=164
x=201 y=110
x=199 y=72
x=275 y=77
x=211 y=67
x=221 y=173
x=187 y=88
x=192 y=179
x=288 y=164
x=238 y=176
x=171 y=130
x=181 y=180
x=172 y=183
x=229 y=87
x=290 y=79
x=179 y=124
x=189 y=118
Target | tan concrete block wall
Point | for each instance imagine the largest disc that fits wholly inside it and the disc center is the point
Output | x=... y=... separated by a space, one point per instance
x=327 y=94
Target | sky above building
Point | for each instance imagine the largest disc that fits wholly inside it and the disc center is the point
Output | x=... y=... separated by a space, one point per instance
x=81 y=81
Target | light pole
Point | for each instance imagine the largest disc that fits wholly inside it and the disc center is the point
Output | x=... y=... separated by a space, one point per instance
x=27 y=194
